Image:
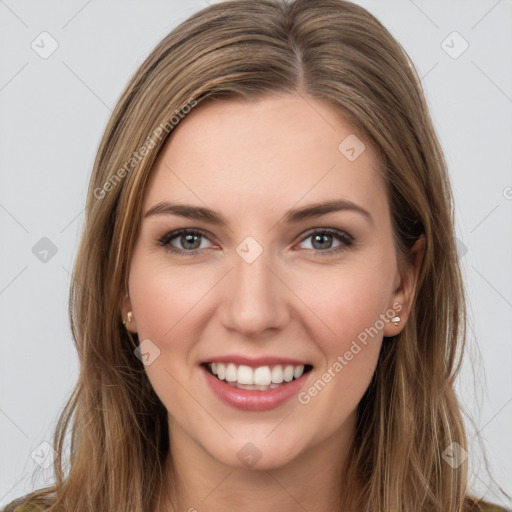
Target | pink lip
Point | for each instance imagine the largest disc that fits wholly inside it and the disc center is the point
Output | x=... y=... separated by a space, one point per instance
x=253 y=400
x=257 y=361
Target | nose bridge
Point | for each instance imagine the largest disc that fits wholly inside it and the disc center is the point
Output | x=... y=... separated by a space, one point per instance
x=254 y=299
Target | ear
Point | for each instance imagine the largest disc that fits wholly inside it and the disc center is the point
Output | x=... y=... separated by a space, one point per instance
x=127 y=315
x=401 y=299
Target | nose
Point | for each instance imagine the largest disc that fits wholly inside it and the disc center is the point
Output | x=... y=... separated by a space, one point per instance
x=254 y=298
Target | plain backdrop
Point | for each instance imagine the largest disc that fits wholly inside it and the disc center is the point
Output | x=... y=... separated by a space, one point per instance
x=54 y=109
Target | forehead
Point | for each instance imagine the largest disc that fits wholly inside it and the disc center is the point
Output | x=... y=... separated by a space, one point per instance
x=254 y=156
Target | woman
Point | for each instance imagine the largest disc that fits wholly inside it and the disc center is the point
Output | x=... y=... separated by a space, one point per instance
x=266 y=301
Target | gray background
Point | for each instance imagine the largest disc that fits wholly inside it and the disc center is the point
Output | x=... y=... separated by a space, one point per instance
x=54 y=111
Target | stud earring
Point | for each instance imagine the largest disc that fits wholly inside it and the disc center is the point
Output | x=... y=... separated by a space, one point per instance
x=129 y=318
x=396 y=320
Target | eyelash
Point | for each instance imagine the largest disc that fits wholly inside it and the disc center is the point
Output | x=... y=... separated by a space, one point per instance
x=343 y=237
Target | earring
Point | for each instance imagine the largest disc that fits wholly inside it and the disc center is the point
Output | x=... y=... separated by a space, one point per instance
x=129 y=318
x=396 y=320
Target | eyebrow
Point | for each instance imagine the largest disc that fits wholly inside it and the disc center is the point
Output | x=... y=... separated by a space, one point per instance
x=291 y=216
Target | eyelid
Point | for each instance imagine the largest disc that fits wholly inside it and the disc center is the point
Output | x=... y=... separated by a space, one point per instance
x=332 y=231
x=171 y=235
x=345 y=238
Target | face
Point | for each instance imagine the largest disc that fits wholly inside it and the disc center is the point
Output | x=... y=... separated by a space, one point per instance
x=233 y=266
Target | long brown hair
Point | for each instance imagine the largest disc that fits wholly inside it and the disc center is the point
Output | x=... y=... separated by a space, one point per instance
x=330 y=50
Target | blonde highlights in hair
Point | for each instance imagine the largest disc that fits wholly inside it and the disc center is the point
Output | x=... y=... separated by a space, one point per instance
x=330 y=50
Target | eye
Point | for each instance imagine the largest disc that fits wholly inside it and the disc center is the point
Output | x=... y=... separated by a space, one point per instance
x=322 y=240
x=190 y=241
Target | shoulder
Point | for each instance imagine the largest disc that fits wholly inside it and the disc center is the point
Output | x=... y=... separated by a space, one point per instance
x=488 y=507
x=16 y=507
x=36 y=501
x=21 y=508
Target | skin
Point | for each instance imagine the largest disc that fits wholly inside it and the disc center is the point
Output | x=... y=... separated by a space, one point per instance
x=251 y=162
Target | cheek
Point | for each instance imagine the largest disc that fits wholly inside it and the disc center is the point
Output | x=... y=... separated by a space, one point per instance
x=167 y=306
x=347 y=302
x=166 y=299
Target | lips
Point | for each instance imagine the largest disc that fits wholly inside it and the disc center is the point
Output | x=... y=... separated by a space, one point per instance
x=255 y=384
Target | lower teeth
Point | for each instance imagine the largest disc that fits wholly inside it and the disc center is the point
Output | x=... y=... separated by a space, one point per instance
x=253 y=387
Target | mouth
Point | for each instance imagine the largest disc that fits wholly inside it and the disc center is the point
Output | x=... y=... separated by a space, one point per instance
x=260 y=378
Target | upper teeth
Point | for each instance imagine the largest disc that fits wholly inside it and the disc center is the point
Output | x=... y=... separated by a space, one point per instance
x=262 y=375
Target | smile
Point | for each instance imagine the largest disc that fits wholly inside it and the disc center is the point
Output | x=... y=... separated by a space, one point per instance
x=259 y=388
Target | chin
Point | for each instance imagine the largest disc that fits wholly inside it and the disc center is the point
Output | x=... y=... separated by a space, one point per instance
x=258 y=454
